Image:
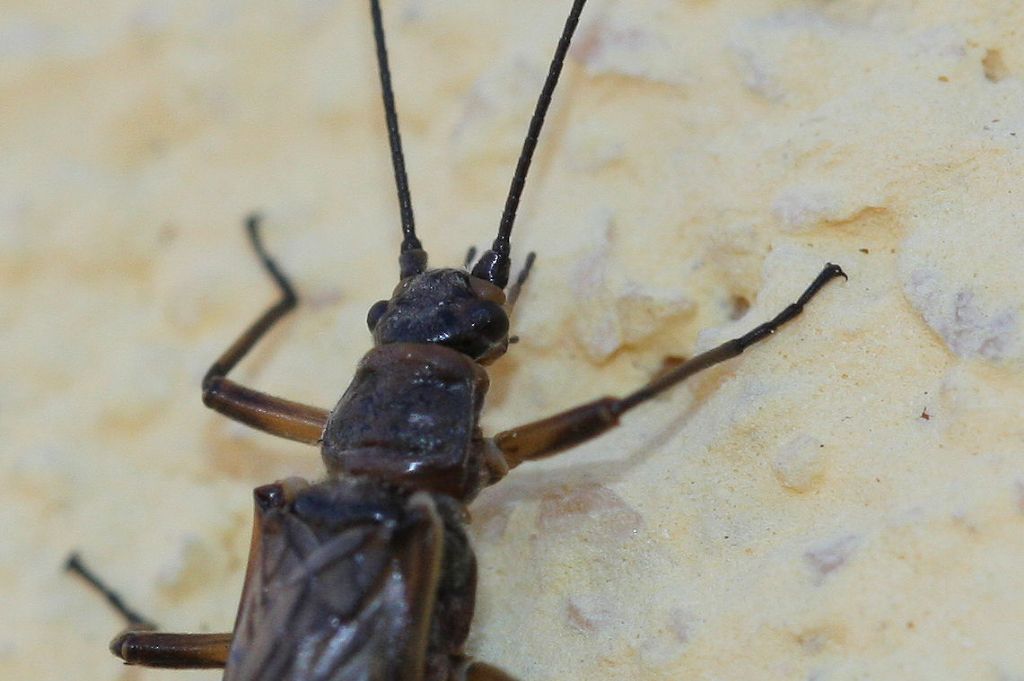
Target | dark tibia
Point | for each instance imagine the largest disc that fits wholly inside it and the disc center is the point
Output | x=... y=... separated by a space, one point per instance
x=579 y=424
x=75 y=566
x=172 y=651
x=234 y=354
x=270 y=414
x=732 y=348
x=470 y=254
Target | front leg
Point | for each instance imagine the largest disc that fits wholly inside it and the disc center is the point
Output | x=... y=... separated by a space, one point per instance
x=577 y=425
x=268 y=413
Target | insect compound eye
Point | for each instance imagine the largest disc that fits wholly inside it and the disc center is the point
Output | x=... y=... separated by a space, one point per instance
x=376 y=312
x=490 y=321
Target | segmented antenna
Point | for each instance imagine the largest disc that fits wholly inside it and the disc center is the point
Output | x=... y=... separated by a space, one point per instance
x=412 y=259
x=494 y=265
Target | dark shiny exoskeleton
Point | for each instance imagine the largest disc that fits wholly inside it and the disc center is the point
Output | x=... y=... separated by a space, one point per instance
x=410 y=414
x=335 y=589
x=368 y=575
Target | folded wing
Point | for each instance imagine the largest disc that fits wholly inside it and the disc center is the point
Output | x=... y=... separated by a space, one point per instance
x=341 y=586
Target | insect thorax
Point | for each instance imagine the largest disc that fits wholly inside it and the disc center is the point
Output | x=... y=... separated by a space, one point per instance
x=409 y=417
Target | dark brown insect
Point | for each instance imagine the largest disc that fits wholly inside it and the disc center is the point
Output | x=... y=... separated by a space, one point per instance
x=369 y=574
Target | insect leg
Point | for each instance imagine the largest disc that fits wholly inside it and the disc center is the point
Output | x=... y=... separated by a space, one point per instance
x=172 y=651
x=270 y=414
x=141 y=645
x=571 y=427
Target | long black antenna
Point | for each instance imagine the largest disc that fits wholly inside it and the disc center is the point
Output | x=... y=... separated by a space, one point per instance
x=413 y=263
x=494 y=264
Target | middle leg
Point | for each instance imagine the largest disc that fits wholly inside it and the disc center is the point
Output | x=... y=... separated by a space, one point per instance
x=172 y=651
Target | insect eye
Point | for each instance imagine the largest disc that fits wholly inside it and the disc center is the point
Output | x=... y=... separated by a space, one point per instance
x=375 y=313
x=490 y=321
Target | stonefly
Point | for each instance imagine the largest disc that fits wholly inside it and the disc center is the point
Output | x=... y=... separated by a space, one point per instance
x=368 y=575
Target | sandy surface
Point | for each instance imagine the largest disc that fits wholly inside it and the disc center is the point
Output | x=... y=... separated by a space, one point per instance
x=846 y=501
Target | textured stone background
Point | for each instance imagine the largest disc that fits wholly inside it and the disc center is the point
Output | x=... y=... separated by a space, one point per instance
x=844 y=502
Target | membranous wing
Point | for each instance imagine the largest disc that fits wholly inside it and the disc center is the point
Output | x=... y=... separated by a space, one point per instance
x=341 y=585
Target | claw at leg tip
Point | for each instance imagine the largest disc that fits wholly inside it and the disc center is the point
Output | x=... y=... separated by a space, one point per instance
x=837 y=271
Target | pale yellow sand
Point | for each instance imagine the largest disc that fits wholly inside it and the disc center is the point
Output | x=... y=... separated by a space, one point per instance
x=844 y=502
